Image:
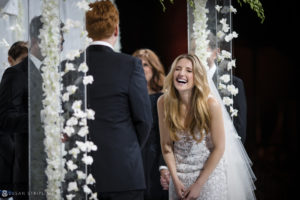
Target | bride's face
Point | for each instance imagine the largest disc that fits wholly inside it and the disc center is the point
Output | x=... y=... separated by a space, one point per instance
x=183 y=76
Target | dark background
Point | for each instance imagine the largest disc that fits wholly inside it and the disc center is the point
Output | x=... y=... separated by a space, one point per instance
x=266 y=61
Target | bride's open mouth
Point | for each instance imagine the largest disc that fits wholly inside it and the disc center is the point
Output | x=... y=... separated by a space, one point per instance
x=181 y=80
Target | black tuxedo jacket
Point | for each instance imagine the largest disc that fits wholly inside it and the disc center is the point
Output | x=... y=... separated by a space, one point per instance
x=123 y=118
x=240 y=103
x=14 y=98
x=14 y=120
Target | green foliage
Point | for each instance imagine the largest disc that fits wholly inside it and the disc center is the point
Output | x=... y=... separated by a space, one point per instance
x=255 y=5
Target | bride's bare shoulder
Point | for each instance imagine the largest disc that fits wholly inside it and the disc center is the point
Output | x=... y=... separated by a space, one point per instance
x=160 y=101
x=213 y=104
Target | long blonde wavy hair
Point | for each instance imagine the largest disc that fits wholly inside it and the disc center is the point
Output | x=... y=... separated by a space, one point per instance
x=198 y=117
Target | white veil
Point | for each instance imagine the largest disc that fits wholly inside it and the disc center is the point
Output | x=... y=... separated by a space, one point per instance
x=240 y=177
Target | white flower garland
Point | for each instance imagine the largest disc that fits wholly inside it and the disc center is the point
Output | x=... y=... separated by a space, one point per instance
x=53 y=122
x=200 y=31
x=79 y=118
x=225 y=56
x=200 y=34
x=50 y=49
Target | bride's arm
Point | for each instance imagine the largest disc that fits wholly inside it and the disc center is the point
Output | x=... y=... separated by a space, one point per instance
x=167 y=146
x=218 y=139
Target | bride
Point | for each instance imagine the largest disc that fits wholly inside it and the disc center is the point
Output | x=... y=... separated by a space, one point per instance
x=205 y=158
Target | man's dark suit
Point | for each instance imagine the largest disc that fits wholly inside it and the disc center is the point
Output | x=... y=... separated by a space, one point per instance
x=14 y=118
x=6 y=161
x=123 y=119
x=239 y=103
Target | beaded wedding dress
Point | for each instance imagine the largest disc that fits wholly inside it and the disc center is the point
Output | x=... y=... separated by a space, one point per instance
x=190 y=158
x=232 y=179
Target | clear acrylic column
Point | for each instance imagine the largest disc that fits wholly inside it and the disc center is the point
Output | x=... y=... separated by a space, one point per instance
x=37 y=155
x=47 y=153
x=216 y=27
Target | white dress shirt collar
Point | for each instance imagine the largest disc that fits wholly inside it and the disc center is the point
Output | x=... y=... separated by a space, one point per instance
x=35 y=61
x=212 y=71
x=102 y=43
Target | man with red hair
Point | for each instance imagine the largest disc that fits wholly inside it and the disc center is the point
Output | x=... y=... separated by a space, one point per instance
x=120 y=99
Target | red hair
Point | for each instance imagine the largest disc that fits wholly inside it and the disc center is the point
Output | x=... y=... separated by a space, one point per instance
x=101 y=20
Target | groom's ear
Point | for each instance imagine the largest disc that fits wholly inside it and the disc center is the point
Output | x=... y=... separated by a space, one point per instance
x=116 y=32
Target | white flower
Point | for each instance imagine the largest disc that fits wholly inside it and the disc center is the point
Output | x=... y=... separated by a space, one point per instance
x=90 y=179
x=71 y=24
x=80 y=175
x=4 y=43
x=72 y=89
x=82 y=146
x=234 y=112
x=83 y=122
x=76 y=105
x=90 y=114
x=200 y=31
x=79 y=113
x=70 y=196
x=227 y=101
x=69 y=67
x=225 y=54
x=72 y=186
x=83 y=68
x=72 y=121
x=71 y=55
x=88 y=80
x=83 y=131
x=69 y=130
x=94 y=196
x=232 y=89
x=52 y=120
x=74 y=152
x=225 y=78
x=220 y=34
x=222 y=86
x=65 y=97
x=225 y=26
x=71 y=165
x=87 y=159
x=231 y=64
x=218 y=8
x=234 y=34
x=230 y=36
x=232 y=9
x=84 y=5
x=90 y=146
x=86 y=189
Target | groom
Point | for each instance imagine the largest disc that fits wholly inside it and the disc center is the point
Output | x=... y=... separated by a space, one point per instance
x=123 y=111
